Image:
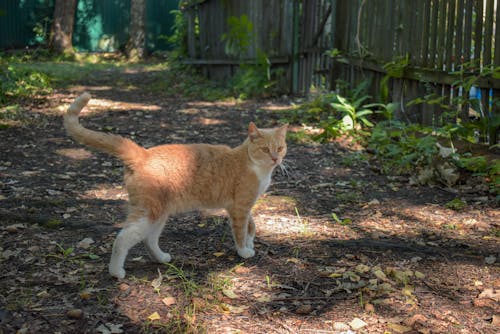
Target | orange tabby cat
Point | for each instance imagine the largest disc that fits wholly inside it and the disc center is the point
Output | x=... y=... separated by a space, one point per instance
x=169 y=179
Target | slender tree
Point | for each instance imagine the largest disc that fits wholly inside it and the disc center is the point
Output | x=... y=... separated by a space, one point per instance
x=62 y=27
x=135 y=48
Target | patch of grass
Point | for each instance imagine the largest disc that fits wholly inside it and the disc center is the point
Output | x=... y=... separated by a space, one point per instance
x=353 y=159
x=299 y=137
x=348 y=197
x=53 y=223
x=189 y=286
x=456 y=204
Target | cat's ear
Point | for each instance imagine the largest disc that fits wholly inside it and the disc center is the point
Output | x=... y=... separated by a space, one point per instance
x=282 y=129
x=253 y=132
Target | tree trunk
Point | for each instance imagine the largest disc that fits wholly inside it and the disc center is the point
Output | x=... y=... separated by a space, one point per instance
x=62 y=28
x=137 y=35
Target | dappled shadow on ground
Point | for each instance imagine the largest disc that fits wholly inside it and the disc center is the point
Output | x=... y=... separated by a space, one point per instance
x=391 y=255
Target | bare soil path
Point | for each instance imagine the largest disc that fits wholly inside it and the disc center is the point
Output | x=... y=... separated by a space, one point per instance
x=340 y=247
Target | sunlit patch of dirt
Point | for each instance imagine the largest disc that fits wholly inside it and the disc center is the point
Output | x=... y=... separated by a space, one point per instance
x=189 y=111
x=105 y=192
x=75 y=153
x=210 y=121
x=96 y=105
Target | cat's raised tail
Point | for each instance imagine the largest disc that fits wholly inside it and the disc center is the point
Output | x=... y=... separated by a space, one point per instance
x=123 y=148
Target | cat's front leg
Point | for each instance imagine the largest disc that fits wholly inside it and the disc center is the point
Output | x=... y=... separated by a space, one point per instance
x=240 y=226
x=250 y=232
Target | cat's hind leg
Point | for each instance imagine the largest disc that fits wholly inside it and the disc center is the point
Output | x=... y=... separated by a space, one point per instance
x=134 y=232
x=151 y=241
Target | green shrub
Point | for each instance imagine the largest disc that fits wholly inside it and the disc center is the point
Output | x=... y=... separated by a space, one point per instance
x=18 y=82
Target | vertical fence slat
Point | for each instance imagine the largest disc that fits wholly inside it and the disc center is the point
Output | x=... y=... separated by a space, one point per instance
x=459 y=33
x=434 y=33
x=488 y=32
x=441 y=32
x=450 y=30
x=468 y=32
x=426 y=33
x=496 y=61
x=478 y=31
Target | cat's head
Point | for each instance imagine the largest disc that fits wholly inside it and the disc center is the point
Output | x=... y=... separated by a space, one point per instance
x=267 y=147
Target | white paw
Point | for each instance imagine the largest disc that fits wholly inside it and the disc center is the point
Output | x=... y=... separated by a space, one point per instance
x=117 y=272
x=246 y=252
x=163 y=257
x=250 y=243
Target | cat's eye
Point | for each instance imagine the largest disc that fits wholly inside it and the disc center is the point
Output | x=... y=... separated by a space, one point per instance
x=280 y=149
x=265 y=149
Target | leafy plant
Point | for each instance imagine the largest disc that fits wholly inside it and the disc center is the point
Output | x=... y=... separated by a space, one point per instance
x=253 y=79
x=18 y=82
x=353 y=116
x=179 y=33
x=239 y=37
x=400 y=148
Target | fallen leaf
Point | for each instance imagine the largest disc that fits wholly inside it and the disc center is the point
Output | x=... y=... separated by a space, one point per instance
x=399 y=328
x=491 y=294
x=154 y=316
x=237 y=309
x=75 y=313
x=362 y=268
x=380 y=274
x=352 y=276
x=219 y=254
x=357 y=323
x=340 y=326
x=419 y=275
x=156 y=283
x=168 y=301
x=369 y=308
x=229 y=293
x=85 y=243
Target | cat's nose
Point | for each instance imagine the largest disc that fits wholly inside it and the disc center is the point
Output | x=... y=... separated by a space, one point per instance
x=274 y=159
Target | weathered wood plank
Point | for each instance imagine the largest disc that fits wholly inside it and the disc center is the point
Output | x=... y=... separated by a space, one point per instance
x=459 y=34
x=426 y=33
x=468 y=32
x=422 y=74
x=450 y=31
x=488 y=33
x=441 y=33
x=434 y=33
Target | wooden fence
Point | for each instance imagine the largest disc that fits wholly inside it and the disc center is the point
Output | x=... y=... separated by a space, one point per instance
x=420 y=45
x=442 y=48
x=293 y=34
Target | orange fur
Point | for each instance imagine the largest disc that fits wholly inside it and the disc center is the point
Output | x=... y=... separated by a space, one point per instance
x=170 y=179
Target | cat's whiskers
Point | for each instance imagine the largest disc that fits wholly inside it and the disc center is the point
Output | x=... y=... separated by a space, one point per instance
x=285 y=169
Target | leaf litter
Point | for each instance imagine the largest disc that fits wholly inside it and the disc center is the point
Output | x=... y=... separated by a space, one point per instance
x=369 y=253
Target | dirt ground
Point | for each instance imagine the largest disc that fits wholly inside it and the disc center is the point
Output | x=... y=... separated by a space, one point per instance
x=340 y=247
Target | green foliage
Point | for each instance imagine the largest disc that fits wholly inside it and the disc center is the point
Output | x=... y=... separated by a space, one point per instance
x=253 y=80
x=350 y=114
x=456 y=204
x=239 y=37
x=179 y=33
x=394 y=69
x=18 y=82
x=402 y=148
